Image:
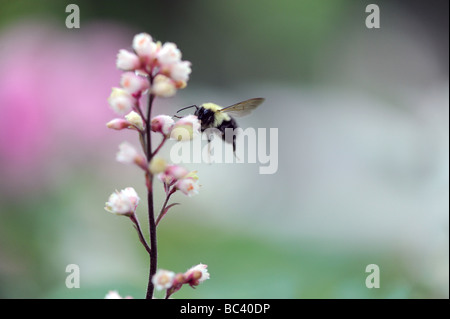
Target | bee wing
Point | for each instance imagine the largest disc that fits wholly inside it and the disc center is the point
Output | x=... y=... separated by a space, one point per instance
x=242 y=108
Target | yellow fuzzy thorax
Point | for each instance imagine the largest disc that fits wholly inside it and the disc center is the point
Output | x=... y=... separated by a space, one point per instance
x=219 y=117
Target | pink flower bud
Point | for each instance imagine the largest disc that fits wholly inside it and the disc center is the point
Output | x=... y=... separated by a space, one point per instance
x=128 y=155
x=127 y=61
x=197 y=274
x=168 y=54
x=162 y=124
x=135 y=120
x=118 y=124
x=132 y=121
x=133 y=83
x=121 y=101
x=179 y=280
x=180 y=71
x=144 y=46
x=163 y=86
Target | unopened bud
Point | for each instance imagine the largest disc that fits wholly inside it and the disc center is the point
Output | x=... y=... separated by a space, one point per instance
x=157 y=165
x=135 y=119
x=118 y=124
x=180 y=279
x=128 y=155
x=162 y=124
x=121 y=101
x=127 y=61
x=185 y=128
x=163 y=86
x=196 y=275
x=199 y=273
x=133 y=83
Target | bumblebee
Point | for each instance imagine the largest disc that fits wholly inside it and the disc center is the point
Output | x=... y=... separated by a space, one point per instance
x=214 y=116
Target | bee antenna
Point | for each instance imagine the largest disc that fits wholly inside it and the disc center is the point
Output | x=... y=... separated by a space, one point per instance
x=188 y=107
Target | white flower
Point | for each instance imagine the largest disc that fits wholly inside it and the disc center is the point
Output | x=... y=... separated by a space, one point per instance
x=121 y=101
x=180 y=71
x=127 y=61
x=168 y=54
x=163 y=86
x=123 y=202
x=162 y=124
x=144 y=46
x=188 y=186
x=178 y=172
x=172 y=173
x=186 y=128
x=203 y=269
x=135 y=119
x=113 y=295
x=133 y=83
x=132 y=196
x=127 y=153
x=163 y=279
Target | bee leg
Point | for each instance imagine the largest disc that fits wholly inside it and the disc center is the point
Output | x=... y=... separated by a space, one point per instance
x=209 y=150
x=226 y=138
x=234 y=147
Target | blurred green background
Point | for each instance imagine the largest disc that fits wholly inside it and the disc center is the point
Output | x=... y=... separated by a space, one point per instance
x=363 y=149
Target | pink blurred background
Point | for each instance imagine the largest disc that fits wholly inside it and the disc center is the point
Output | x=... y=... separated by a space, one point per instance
x=53 y=89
